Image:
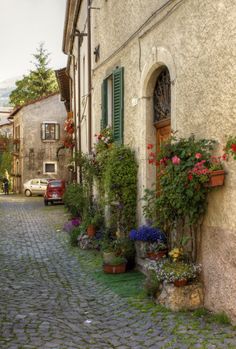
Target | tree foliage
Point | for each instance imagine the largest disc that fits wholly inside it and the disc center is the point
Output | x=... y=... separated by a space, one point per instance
x=40 y=82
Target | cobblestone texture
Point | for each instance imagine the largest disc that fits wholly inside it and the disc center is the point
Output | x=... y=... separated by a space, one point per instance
x=47 y=300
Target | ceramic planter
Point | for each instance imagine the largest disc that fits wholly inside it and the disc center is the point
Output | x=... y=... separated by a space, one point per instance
x=180 y=283
x=156 y=255
x=114 y=269
x=216 y=178
x=91 y=230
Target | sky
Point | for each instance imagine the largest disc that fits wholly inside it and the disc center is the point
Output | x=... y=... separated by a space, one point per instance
x=23 y=25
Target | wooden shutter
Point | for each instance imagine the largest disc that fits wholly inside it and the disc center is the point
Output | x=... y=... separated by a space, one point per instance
x=104 y=105
x=118 y=104
x=57 y=132
x=43 y=137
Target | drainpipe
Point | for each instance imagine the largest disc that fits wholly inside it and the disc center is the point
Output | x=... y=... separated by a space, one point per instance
x=79 y=105
x=75 y=118
x=89 y=79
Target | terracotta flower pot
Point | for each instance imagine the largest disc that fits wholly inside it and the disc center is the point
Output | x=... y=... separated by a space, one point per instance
x=180 y=283
x=114 y=269
x=156 y=255
x=91 y=231
x=216 y=178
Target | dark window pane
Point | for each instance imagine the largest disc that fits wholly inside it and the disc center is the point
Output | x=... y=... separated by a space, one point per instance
x=49 y=167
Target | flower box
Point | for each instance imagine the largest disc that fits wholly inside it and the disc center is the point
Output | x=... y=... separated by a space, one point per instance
x=216 y=178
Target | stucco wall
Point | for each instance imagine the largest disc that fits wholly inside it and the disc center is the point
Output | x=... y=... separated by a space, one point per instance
x=197 y=42
x=30 y=119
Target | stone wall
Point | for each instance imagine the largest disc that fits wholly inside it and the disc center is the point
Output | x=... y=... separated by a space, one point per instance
x=196 y=40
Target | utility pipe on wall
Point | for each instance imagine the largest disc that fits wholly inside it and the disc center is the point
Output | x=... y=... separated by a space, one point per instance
x=89 y=78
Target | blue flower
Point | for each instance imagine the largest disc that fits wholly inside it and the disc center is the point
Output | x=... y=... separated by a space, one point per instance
x=148 y=233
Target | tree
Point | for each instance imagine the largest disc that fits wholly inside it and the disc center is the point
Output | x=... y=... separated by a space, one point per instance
x=41 y=81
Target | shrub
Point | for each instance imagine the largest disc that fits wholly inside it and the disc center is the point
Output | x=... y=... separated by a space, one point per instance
x=74 y=199
x=74 y=234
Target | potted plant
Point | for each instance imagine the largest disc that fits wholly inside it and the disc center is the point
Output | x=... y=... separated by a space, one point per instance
x=116 y=265
x=144 y=236
x=216 y=172
x=179 y=273
x=109 y=250
x=125 y=247
x=156 y=250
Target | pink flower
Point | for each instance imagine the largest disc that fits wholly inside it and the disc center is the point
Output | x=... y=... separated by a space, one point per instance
x=175 y=160
x=198 y=155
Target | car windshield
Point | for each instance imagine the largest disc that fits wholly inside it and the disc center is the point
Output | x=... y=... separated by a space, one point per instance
x=55 y=184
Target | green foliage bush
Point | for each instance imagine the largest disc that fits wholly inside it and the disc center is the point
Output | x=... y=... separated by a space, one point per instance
x=74 y=234
x=120 y=183
x=75 y=200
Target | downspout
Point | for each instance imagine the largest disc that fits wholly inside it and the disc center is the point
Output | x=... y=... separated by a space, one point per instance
x=75 y=118
x=79 y=106
x=89 y=79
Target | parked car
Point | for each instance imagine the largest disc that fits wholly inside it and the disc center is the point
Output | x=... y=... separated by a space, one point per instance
x=54 y=192
x=36 y=186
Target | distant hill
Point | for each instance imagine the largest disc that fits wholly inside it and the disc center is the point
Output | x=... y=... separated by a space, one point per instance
x=6 y=87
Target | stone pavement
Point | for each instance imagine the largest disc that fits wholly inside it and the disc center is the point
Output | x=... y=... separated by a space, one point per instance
x=48 y=301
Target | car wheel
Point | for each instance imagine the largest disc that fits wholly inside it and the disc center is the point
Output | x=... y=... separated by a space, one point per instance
x=28 y=193
x=46 y=202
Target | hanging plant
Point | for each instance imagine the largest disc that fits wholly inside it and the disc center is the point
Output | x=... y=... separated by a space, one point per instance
x=69 y=126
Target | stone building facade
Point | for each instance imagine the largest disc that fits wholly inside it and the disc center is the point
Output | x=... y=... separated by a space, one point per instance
x=38 y=133
x=193 y=44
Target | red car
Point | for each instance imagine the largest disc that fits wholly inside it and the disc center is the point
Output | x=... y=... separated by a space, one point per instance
x=54 y=192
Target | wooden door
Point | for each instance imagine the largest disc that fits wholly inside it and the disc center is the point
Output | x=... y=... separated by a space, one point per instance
x=163 y=132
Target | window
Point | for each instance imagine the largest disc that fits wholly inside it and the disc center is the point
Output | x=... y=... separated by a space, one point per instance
x=49 y=167
x=113 y=103
x=50 y=131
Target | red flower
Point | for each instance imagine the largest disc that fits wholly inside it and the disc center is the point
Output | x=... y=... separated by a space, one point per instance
x=149 y=146
x=225 y=157
x=152 y=154
x=151 y=161
x=233 y=147
x=190 y=176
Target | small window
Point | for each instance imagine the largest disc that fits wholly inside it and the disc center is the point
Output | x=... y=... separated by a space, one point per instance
x=50 y=167
x=50 y=131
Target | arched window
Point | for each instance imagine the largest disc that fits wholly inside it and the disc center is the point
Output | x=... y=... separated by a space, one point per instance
x=162 y=96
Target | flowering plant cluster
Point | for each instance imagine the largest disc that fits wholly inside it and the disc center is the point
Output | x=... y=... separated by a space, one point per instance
x=69 y=126
x=147 y=233
x=69 y=142
x=183 y=166
x=103 y=139
x=70 y=225
x=173 y=271
x=176 y=253
x=230 y=148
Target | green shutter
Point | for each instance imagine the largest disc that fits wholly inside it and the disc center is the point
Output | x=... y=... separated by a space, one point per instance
x=118 y=104
x=104 y=105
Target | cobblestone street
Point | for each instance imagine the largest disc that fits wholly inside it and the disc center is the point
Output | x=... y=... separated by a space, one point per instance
x=48 y=301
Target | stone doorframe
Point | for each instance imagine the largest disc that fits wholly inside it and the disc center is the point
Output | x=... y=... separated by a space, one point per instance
x=158 y=58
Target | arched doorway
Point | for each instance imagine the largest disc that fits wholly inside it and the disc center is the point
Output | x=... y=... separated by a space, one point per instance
x=162 y=106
